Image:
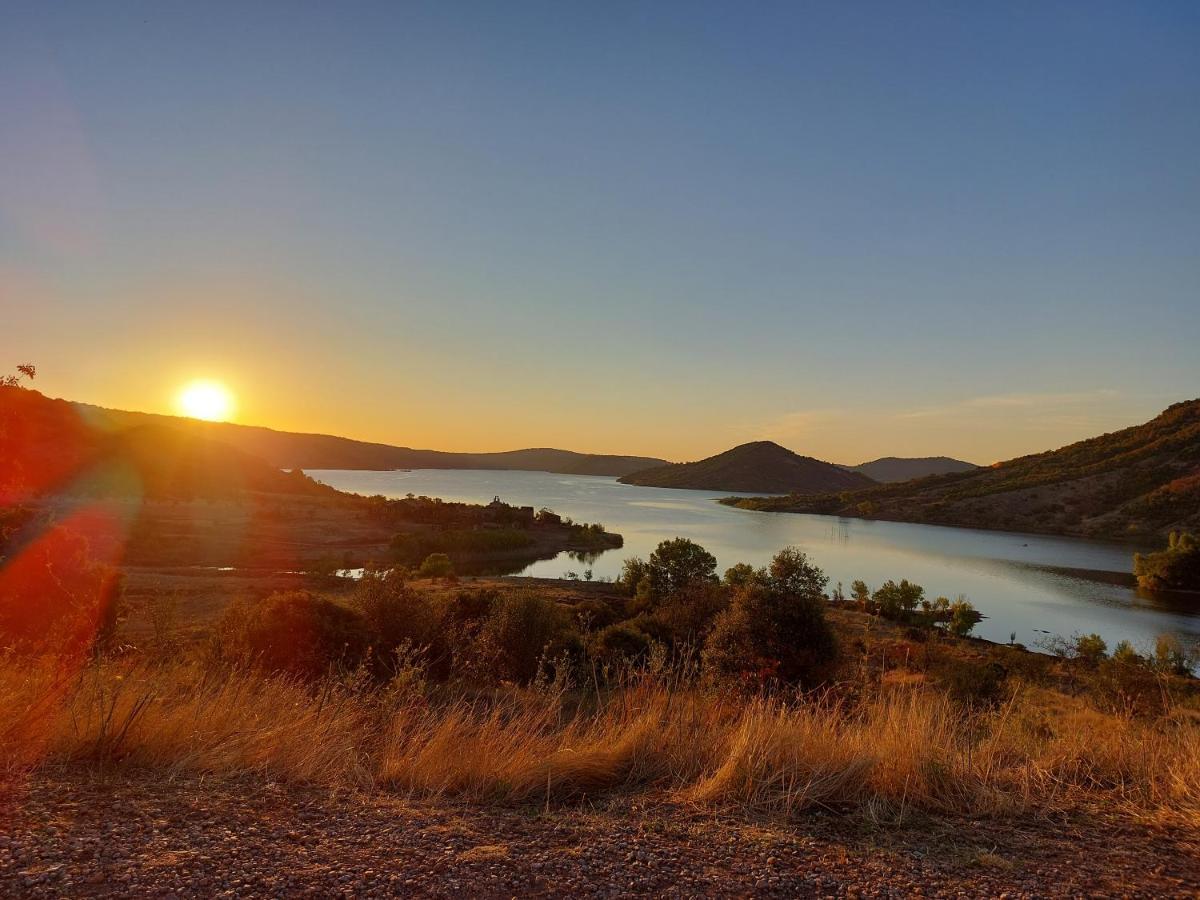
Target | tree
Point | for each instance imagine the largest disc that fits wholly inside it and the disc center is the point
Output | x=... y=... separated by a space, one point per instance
x=1091 y=648
x=295 y=632
x=437 y=565
x=677 y=562
x=1175 y=568
x=860 y=592
x=897 y=601
x=518 y=632
x=775 y=626
x=739 y=575
x=24 y=372
x=962 y=617
x=632 y=573
x=791 y=573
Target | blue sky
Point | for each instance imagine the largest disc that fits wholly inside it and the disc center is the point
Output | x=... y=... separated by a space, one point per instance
x=858 y=229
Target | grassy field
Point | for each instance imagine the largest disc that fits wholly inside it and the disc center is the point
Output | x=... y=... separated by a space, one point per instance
x=885 y=741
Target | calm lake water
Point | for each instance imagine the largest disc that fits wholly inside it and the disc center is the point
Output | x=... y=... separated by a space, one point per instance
x=1033 y=585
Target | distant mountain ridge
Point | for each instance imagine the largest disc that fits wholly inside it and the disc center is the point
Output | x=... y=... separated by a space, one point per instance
x=47 y=447
x=295 y=450
x=890 y=469
x=758 y=466
x=1139 y=482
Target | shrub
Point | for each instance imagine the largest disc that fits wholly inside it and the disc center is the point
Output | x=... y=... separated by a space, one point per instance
x=1125 y=654
x=963 y=617
x=296 y=632
x=975 y=683
x=1170 y=656
x=436 y=565
x=897 y=601
x=676 y=563
x=594 y=614
x=396 y=616
x=860 y=593
x=1176 y=568
x=621 y=643
x=1090 y=648
x=739 y=575
x=775 y=627
x=688 y=614
x=516 y=633
x=470 y=607
x=1126 y=687
x=54 y=596
x=632 y=574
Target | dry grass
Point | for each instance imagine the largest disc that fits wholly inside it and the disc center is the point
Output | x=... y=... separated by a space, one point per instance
x=901 y=750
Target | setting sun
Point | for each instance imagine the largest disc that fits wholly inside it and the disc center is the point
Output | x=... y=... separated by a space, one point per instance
x=208 y=400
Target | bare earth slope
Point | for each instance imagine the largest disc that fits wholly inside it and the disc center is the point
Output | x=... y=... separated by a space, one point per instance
x=759 y=466
x=292 y=450
x=1138 y=482
x=890 y=469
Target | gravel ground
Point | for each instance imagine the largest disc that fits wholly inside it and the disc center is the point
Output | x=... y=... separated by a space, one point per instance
x=73 y=835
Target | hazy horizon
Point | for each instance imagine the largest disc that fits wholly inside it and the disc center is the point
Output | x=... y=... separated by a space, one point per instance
x=857 y=231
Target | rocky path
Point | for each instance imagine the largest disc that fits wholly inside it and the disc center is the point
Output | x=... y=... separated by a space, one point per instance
x=72 y=835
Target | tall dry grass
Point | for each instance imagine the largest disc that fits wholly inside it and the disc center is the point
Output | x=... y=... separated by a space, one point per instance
x=897 y=751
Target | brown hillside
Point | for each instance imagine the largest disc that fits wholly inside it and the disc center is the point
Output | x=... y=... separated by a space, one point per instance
x=1138 y=482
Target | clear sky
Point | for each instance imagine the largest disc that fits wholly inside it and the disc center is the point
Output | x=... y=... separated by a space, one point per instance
x=857 y=229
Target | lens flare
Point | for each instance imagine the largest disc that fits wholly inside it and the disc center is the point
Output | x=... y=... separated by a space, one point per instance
x=209 y=400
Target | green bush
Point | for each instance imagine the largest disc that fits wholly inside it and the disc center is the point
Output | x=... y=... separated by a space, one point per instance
x=436 y=565
x=963 y=617
x=397 y=617
x=294 y=632
x=897 y=601
x=591 y=615
x=1176 y=568
x=1090 y=648
x=678 y=562
x=516 y=634
x=1170 y=656
x=621 y=643
x=775 y=627
x=977 y=684
x=688 y=614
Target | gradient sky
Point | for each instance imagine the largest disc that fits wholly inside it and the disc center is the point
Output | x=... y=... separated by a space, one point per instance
x=858 y=229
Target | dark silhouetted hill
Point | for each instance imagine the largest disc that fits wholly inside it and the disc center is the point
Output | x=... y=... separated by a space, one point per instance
x=891 y=469
x=51 y=447
x=758 y=466
x=291 y=450
x=1138 y=482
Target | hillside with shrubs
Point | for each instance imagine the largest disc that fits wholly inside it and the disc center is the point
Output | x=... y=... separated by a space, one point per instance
x=1137 y=483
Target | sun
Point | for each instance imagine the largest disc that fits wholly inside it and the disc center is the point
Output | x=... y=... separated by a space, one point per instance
x=209 y=400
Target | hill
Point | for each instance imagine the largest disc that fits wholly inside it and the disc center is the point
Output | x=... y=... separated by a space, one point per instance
x=1142 y=481
x=47 y=446
x=758 y=466
x=890 y=469
x=293 y=450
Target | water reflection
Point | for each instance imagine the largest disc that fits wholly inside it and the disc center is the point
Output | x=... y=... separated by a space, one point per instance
x=1027 y=584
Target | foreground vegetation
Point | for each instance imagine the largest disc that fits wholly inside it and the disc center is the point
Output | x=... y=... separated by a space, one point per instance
x=749 y=692
x=884 y=751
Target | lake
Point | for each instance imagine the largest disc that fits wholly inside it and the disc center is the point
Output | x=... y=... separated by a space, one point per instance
x=1032 y=585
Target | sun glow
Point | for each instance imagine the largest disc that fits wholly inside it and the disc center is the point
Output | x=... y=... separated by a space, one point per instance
x=208 y=400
